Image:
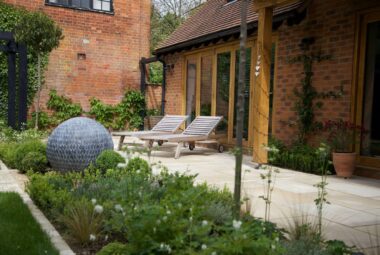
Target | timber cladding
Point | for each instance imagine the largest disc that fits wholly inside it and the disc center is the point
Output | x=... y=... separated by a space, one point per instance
x=99 y=56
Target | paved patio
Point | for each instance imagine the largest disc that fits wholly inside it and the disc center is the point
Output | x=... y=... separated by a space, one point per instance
x=352 y=216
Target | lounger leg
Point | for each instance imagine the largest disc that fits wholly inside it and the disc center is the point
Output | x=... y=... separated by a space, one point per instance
x=121 y=141
x=178 y=150
x=149 y=144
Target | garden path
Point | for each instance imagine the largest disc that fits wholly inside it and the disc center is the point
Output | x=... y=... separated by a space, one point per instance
x=352 y=216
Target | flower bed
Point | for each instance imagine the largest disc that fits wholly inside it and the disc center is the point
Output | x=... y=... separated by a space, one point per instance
x=132 y=211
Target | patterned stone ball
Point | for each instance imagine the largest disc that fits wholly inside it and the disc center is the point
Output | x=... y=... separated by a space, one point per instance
x=76 y=143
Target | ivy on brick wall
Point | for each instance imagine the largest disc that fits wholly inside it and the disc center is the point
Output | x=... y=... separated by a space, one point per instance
x=308 y=99
x=9 y=17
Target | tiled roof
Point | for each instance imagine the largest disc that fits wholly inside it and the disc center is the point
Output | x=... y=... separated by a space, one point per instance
x=213 y=17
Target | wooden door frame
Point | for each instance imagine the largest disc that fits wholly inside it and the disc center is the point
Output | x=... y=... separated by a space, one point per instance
x=213 y=51
x=357 y=93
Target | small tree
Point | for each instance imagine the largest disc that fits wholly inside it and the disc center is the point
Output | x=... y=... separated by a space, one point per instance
x=240 y=106
x=41 y=35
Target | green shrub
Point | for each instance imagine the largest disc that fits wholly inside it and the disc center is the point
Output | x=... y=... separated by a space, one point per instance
x=301 y=157
x=127 y=113
x=34 y=161
x=108 y=159
x=8 y=154
x=139 y=165
x=35 y=146
x=114 y=249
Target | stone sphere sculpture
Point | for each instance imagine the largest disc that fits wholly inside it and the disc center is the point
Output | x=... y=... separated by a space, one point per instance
x=77 y=142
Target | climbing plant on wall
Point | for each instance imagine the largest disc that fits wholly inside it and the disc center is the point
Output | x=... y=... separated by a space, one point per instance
x=9 y=17
x=308 y=99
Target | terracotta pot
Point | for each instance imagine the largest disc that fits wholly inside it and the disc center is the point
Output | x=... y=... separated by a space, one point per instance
x=344 y=164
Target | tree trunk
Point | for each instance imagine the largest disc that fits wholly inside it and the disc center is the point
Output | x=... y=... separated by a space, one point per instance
x=37 y=104
x=240 y=107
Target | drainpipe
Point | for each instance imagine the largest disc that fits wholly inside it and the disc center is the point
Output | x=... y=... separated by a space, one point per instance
x=163 y=88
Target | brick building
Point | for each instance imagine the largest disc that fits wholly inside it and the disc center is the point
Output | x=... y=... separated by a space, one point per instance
x=202 y=56
x=99 y=56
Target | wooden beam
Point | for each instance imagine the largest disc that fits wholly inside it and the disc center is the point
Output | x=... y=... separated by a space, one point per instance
x=262 y=85
x=260 y=4
x=23 y=87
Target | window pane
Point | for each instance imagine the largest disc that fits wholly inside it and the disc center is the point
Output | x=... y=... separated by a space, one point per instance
x=190 y=88
x=206 y=85
x=53 y=1
x=223 y=90
x=75 y=3
x=106 y=6
x=63 y=2
x=85 y=4
x=97 y=4
x=370 y=145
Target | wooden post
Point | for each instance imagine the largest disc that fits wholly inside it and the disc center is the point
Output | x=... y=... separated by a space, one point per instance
x=23 y=87
x=262 y=85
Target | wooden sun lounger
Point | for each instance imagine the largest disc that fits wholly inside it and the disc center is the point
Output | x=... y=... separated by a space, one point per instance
x=199 y=130
x=168 y=125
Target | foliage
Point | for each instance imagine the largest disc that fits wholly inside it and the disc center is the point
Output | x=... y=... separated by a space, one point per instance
x=154 y=214
x=323 y=155
x=305 y=103
x=153 y=112
x=155 y=72
x=39 y=32
x=63 y=108
x=115 y=248
x=128 y=112
x=301 y=157
x=82 y=221
x=20 y=233
x=269 y=179
x=343 y=135
x=22 y=151
x=108 y=159
x=9 y=18
x=34 y=161
x=139 y=165
x=11 y=140
x=41 y=35
x=167 y=15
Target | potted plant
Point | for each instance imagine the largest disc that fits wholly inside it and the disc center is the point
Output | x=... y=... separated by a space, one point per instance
x=342 y=137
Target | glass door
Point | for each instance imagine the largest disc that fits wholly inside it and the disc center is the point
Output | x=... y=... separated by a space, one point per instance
x=223 y=77
x=369 y=92
x=191 y=78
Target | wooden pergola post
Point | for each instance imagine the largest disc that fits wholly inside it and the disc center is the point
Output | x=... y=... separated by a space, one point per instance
x=262 y=85
x=262 y=74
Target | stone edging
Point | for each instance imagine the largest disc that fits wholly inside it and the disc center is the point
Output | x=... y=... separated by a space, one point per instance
x=55 y=238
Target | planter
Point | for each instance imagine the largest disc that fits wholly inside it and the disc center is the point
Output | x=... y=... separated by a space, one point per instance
x=344 y=164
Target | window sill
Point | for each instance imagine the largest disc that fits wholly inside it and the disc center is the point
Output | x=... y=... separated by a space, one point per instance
x=80 y=9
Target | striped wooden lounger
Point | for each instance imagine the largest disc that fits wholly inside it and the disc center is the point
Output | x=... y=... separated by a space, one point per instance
x=168 y=125
x=199 y=130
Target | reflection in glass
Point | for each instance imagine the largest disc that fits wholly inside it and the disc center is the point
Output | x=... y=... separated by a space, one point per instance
x=222 y=89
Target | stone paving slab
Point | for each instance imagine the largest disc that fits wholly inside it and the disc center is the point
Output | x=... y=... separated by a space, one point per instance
x=355 y=202
x=12 y=181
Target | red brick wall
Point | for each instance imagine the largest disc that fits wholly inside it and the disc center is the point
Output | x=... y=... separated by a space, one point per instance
x=332 y=23
x=153 y=96
x=113 y=45
x=174 y=82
